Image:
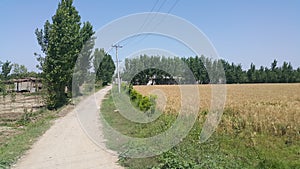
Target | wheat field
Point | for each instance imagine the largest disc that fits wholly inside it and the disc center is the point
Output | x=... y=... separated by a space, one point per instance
x=271 y=108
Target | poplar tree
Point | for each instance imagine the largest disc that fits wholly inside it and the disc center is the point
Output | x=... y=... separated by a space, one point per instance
x=61 y=42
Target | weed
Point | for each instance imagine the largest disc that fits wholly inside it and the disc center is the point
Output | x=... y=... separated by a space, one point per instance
x=246 y=136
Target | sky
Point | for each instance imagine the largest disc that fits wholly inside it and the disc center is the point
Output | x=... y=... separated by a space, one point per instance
x=244 y=32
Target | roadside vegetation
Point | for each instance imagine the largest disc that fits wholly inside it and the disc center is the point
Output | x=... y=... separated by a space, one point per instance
x=19 y=135
x=260 y=132
x=259 y=128
x=65 y=61
x=67 y=46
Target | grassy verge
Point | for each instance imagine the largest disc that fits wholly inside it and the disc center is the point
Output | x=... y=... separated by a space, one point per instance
x=242 y=148
x=30 y=127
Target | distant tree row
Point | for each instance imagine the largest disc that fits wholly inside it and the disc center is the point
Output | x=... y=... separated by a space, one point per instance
x=172 y=70
x=275 y=74
x=144 y=68
x=234 y=73
x=9 y=71
x=14 y=71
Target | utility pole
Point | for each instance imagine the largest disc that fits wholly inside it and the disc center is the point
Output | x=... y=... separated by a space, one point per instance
x=118 y=72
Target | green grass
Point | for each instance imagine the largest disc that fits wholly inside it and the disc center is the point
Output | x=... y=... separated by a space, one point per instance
x=16 y=145
x=34 y=124
x=222 y=150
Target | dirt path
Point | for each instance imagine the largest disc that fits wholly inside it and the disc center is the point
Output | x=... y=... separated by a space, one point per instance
x=66 y=145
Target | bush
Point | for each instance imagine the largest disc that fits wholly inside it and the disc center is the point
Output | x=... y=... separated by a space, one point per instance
x=133 y=95
x=144 y=103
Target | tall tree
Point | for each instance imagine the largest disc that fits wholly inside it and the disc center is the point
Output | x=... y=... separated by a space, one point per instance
x=83 y=64
x=19 y=71
x=6 y=68
x=104 y=66
x=273 y=74
x=297 y=75
x=251 y=74
x=61 y=41
x=287 y=74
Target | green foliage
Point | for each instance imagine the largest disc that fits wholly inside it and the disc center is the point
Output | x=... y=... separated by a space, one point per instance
x=144 y=103
x=222 y=150
x=272 y=164
x=19 y=71
x=200 y=66
x=3 y=89
x=104 y=66
x=2 y=86
x=83 y=64
x=61 y=41
x=14 y=71
x=15 y=146
x=6 y=68
x=144 y=68
x=171 y=160
x=204 y=70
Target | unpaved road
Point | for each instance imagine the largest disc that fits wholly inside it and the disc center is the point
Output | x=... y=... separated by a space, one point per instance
x=67 y=146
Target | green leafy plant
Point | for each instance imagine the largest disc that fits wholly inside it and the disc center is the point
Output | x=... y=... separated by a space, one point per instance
x=144 y=103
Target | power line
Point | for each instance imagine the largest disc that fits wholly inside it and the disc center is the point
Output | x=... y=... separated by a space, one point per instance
x=155 y=26
x=147 y=20
x=169 y=11
x=172 y=7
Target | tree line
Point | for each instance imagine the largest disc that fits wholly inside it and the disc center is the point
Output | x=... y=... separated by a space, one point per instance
x=67 y=57
x=67 y=54
x=9 y=71
x=204 y=70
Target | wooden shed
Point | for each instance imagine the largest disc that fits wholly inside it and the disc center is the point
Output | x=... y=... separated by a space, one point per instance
x=26 y=84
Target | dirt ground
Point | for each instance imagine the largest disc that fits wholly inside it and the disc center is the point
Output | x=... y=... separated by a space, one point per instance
x=12 y=109
x=66 y=144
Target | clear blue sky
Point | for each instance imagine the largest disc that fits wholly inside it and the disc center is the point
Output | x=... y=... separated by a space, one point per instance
x=255 y=31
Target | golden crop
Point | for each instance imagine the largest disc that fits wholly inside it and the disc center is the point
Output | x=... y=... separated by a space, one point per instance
x=271 y=108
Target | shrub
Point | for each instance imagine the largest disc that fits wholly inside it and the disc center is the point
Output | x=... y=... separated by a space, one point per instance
x=144 y=103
